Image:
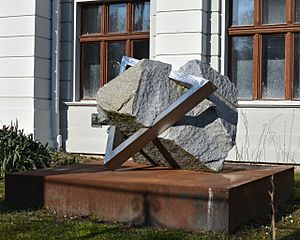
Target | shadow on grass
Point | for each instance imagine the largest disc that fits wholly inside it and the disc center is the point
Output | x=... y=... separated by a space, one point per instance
x=8 y=208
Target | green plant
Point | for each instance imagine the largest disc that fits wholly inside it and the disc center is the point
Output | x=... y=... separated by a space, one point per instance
x=19 y=151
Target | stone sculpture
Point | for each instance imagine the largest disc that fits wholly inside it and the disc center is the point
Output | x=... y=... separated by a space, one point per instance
x=202 y=138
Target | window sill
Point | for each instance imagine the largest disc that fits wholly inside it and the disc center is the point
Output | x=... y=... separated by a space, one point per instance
x=241 y=104
x=83 y=103
x=269 y=104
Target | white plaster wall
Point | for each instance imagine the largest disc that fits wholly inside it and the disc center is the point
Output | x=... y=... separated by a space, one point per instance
x=152 y=29
x=17 y=42
x=214 y=33
x=66 y=41
x=177 y=31
x=268 y=134
x=81 y=137
x=186 y=30
x=42 y=72
x=25 y=65
x=66 y=63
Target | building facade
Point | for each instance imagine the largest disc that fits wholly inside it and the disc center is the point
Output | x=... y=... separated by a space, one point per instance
x=54 y=56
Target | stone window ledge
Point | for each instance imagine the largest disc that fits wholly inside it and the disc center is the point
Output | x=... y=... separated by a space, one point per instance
x=241 y=104
x=83 y=103
x=269 y=104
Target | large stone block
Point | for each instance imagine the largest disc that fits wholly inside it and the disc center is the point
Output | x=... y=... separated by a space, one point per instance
x=202 y=138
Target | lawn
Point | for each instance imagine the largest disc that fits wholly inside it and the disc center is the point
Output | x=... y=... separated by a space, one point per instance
x=42 y=224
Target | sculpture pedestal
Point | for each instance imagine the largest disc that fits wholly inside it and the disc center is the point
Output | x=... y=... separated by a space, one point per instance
x=155 y=196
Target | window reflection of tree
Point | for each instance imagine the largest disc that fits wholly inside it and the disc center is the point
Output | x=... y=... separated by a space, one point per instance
x=142 y=22
x=244 y=12
x=242 y=61
x=117 y=18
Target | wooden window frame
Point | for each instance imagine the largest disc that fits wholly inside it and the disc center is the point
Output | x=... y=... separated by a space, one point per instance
x=258 y=30
x=105 y=37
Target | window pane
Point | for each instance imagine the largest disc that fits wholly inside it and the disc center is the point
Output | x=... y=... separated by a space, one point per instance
x=297 y=67
x=142 y=16
x=91 y=19
x=141 y=49
x=297 y=10
x=274 y=11
x=242 y=66
x=91 y=69
x=273 y=67
x=117 y=17
x=116 y=50
x=242 y=12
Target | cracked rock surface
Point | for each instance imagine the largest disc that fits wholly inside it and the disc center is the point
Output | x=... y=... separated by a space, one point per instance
x=200 y=140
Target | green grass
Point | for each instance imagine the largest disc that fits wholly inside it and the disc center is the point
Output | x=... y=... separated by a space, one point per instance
x=43 y=224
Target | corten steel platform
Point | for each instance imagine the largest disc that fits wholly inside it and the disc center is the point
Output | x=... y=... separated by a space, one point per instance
x=155 y=196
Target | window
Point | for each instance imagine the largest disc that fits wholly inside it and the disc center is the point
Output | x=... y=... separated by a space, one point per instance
x=109 y=31
x=264 y=49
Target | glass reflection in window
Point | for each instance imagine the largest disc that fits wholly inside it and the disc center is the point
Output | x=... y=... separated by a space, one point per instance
x=242 y=66
x=142 y=16
x=116 y=50
x=242 y=12
x=274 y=11
x=297 y=67
x=91 y=69
x=297 y=9
x=91 y=19
x=117 y=17
x=273 y=67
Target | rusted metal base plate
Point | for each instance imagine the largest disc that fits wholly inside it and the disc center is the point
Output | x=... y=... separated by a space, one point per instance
x=156 y=196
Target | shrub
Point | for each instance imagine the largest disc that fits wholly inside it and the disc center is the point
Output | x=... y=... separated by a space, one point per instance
x=19 y=151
